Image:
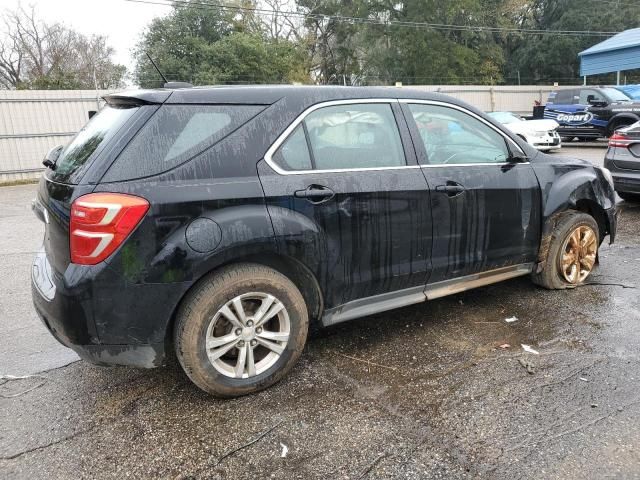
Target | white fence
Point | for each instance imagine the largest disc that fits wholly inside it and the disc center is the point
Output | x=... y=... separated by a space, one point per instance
x=518 y=99
x=33 y=121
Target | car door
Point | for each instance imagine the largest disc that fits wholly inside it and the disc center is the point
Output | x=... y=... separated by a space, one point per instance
x=485 y=207
x=347 y=198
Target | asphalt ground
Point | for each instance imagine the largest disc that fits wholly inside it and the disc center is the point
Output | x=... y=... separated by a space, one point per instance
x=443 y=389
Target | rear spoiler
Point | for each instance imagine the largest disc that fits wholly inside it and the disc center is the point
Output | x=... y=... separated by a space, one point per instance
x=137 y=97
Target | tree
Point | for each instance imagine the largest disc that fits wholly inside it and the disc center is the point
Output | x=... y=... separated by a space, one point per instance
x=215 y=45
x=376 y=50
x=548 y=58
x=34 y=54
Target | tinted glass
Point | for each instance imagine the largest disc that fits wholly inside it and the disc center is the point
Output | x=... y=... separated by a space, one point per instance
x=175 y=134
x=563 y=97
x=355 y=136
x=100 y=128
x=588 y=94
x=616 y=95
x=454 y=137
x=294 y=152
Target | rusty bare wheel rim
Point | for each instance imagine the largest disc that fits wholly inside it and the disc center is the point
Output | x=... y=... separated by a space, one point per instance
x=578 y=254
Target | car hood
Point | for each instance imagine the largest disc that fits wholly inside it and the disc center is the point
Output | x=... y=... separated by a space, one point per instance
x=531 y=126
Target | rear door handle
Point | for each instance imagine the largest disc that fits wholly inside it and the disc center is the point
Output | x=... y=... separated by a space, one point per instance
x=452 y=189
x=315 y=193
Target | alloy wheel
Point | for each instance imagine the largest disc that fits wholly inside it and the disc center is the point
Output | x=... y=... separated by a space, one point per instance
x=578 y=254
x=248 y=335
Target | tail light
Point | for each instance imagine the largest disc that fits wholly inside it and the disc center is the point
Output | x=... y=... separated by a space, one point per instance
x=619 y=140
x=100 y=222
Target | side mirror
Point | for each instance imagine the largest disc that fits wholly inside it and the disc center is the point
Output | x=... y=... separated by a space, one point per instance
x=518 y=157
x=51 y=157
x=597 y=103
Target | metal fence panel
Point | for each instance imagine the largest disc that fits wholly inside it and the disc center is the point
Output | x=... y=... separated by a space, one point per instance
x=33 y=121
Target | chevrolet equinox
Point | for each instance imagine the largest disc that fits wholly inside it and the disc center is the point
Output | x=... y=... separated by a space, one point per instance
x=222 y=222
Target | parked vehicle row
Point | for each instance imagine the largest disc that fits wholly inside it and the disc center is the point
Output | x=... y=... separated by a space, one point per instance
x=221 y=223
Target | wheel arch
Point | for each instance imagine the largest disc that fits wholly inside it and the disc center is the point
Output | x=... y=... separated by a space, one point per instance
x=575 y=191
x=619 y=119
x=291 y=268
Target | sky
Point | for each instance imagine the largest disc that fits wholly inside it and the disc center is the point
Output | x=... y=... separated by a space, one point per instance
x=120 y=21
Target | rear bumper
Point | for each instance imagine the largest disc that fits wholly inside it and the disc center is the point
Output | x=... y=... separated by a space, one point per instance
x=103 y=319
x=624 y=180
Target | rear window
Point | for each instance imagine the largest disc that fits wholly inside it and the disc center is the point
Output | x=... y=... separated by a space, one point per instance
x=87 y=142
x=174 y=135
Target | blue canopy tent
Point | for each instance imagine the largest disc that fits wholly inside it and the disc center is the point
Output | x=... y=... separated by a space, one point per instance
x=616 y=54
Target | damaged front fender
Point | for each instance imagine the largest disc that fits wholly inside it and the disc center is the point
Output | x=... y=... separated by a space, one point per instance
x=572 y=185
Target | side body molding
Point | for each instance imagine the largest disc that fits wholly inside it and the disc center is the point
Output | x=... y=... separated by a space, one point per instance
x=402 y=298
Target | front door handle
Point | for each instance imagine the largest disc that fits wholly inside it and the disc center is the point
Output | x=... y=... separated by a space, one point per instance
x=452 y=189
x=315 y=193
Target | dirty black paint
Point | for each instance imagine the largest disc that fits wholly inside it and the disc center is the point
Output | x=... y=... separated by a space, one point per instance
x=383 y=230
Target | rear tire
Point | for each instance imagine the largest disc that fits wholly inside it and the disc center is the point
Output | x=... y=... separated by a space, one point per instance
x=557 y=270
x=226 y=344
x=616 y=126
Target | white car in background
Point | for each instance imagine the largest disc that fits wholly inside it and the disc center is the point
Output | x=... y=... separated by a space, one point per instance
x=540 y=134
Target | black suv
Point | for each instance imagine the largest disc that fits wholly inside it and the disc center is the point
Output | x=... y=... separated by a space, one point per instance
x=591 y=112
x=223 y=222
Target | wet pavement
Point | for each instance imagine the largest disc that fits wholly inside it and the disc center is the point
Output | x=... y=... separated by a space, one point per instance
x=438 y=390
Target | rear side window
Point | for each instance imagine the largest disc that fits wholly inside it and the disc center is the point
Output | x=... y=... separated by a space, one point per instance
x=97 y=132
x=294 y=153
x=174 y=135
x=563 y=97
x=344 y=137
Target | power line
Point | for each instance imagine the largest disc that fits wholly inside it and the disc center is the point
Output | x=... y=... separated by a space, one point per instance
x=380 y=22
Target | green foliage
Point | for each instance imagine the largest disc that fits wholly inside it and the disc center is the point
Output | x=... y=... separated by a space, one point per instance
x=212 y=45
x=549 y=58
x=207 y=46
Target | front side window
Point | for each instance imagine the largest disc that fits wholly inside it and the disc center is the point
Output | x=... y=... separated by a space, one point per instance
x=175 y=134
x=344 y=137
x=587 y=96
x=451 y=136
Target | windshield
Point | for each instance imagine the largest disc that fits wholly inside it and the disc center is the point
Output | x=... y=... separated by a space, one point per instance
x=505 y=117
x=86 y=142
x=616 y=95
